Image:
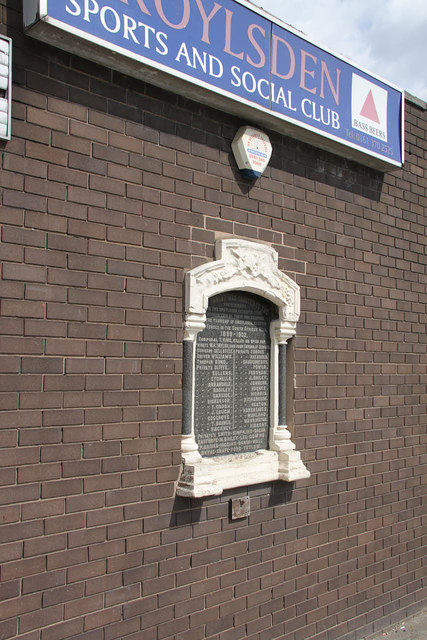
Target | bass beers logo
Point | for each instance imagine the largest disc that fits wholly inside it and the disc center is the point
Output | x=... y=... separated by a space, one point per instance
x=369 y=108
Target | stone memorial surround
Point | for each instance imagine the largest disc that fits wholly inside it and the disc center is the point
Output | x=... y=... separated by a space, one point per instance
x=252 y=267
x=111 y=191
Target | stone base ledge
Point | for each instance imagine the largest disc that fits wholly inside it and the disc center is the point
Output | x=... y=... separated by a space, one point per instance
x=212 y=476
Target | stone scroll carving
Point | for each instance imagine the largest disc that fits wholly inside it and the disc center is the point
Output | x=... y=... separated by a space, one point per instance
x=249 y=267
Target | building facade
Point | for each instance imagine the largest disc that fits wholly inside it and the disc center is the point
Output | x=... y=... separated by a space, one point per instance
x=111 y=191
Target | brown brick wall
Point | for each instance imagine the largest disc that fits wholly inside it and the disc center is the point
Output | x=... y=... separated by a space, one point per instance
x=111 y=190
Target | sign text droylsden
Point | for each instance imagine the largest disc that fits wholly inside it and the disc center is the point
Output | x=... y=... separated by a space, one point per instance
x=243 y=55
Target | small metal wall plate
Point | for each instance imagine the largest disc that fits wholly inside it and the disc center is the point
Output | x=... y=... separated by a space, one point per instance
x=240 y=508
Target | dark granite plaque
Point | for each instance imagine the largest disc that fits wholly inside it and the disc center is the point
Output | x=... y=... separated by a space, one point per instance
x=232 y=375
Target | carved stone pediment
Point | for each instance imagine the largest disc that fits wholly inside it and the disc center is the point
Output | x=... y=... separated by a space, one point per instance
x=245 y=266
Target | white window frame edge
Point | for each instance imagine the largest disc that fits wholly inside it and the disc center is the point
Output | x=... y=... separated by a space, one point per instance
x=6 y=102
x=241 y=265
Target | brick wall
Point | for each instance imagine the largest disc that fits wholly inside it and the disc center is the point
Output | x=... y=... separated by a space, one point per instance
x=111 y=190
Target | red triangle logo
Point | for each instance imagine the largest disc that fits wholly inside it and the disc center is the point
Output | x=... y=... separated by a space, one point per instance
x=369 y=109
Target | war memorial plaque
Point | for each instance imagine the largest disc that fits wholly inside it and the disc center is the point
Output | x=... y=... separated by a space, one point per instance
x=232 y=375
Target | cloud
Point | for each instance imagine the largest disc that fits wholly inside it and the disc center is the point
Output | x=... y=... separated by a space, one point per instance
x=386 y=37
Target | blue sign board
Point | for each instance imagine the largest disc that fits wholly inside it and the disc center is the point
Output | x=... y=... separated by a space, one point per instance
x=229 y=48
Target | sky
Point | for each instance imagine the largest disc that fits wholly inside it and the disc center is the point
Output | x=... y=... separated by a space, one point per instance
x=386 y=37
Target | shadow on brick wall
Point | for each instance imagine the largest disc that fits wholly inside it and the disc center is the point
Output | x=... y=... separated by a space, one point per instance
x=190 y=511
